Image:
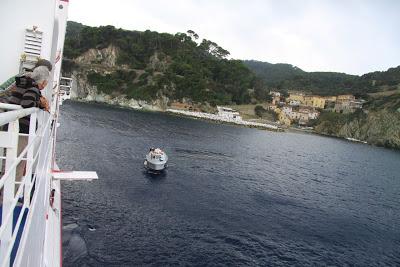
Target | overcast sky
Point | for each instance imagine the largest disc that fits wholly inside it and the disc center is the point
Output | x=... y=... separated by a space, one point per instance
x=352 y=36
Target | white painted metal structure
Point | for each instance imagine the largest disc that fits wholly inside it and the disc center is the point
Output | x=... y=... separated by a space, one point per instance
x=74 y=175
x=30 y=248
x=16 y=17
x=32 y=48
x=30 y=231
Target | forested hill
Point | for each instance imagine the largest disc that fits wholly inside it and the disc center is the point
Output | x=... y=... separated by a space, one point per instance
x=288 y=77
x=150 y=65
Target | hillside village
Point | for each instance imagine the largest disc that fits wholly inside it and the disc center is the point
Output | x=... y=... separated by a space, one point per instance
x=301 y=109
x=296 y=109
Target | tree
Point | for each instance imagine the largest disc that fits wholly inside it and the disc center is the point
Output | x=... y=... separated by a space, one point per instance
x=259 y=111
x=193 y=34
x=213 y=49
x=200 y=72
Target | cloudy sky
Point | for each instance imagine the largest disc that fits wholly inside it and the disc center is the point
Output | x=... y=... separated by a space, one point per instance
x=352 y=36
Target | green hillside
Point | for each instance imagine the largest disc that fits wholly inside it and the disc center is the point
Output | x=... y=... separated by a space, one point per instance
x=274 y=74
x=151 y=64
x=288 y=77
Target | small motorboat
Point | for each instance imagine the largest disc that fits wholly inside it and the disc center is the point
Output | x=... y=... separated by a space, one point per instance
x=156 y=160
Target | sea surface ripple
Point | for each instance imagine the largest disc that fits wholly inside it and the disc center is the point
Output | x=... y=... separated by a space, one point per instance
x=232 y=196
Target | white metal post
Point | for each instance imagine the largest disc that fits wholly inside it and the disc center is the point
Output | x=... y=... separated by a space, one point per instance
x=9 y=187
x=29 y=160
x=1 y=160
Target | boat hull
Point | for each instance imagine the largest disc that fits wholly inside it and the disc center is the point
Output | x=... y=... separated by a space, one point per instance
x=159 y=166
x=155 y=163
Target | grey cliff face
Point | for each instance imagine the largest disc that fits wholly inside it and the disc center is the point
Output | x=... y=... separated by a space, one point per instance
x=105 y=61
x=380 y=128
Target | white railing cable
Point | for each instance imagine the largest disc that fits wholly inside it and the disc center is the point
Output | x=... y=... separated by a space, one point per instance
x=20 y=157
x=26 y=182
x=39 y=187
x=4 y=179
x=29 y=158
x=6 y=175
x=19 y=220
x=10 y=215
x=9 y=187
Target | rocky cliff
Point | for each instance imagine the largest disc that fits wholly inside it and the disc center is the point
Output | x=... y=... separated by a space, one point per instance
x=378 y=124
x=104 y=61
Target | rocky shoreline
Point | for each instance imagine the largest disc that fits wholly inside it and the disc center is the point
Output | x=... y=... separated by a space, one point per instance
x=133 y=104
x=144 y=106
x=217 y=118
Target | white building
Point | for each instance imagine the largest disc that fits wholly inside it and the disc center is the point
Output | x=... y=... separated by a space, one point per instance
x=303 y=114
x=228 y=113
x=313 y=115
x=273 y=93
x=294 y=103
x=287 y=109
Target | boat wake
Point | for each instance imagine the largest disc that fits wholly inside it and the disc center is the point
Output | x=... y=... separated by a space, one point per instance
x=201 y=154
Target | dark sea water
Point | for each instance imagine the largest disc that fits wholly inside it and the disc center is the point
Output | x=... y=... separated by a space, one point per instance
x=232 y=196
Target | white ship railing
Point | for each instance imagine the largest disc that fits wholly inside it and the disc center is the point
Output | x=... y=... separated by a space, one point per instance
x=35 y=159
x=6 y=106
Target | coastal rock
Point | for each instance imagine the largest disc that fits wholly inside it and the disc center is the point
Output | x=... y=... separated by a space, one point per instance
x=105 y=61
x=380 y=128
x=107 y=57
x=82 y=90
x=158 y=62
